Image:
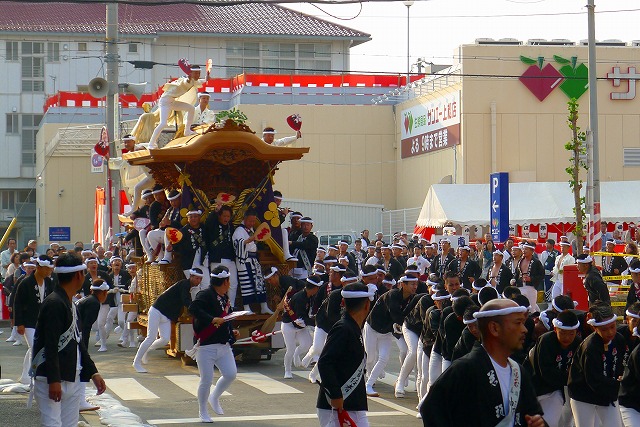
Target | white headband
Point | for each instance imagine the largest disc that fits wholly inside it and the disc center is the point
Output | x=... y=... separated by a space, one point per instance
x=357 y=294
x=192 y=272
x=88 y=260
x=441 y=297
x=408 y=279
x=372 y=273
x=468 y=322
x=274 y=270
x=500 y=312
x=196 y=212
x=635 y=316
x=586 y=260
x=544 y=318
x=348 y=279
x=306 y=221
x=71 y=269
x=103 y=287
x=312 y=282
x=28 y=264
x=593 y=322
x=43 y=262
x=634 y=270
x=565 y=244
x=553 y=304
x=380 y=271
x=115 y=258
x=323 y=250
x=429 y=282
x=222 y=275
x=558 y=324
x=338 y=268
x=391 y=282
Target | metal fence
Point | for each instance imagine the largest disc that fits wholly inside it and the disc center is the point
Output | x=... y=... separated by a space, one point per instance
x=399 y=220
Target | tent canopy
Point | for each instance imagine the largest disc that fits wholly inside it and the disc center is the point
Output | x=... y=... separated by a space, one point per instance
x=529 y=203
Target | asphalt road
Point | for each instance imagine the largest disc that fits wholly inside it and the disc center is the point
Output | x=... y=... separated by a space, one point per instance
x=167 y=394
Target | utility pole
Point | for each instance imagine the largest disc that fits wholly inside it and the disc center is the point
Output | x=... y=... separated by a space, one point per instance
x=593 y=184
x=111 y=59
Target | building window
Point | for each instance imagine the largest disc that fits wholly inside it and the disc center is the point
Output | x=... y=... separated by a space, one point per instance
x=13 y=126
x=33 y=66
x=133 y=47
x=30 y=124
x=82 y=47
x=278 y=58
x=13 y=54
x=7 y=199
x=53 y=52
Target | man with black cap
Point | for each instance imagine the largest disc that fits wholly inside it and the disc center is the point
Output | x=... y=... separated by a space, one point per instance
x=304 y=249
x=203 y=115
x=61 y=360
x=342 y=393
x=496 y=391
x=167 y=308
x=597 y=289
x=158 y=237
x=169 y=102
x=192 y=247
x=269 y=134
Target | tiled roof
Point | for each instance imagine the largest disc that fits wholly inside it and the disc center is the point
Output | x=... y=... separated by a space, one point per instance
x=263 y=19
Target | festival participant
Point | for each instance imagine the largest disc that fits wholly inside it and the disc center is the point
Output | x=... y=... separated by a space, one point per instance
x=193 y=247
x=169 y=102
x=121 y=280
x=143 y=212
x=386 y=317
x=295 y=319
x=269 y=134
x=219 y=238
x=29 y=296
x=612 y=265
x=342 y=363
x=129 y=338
x=157 y=237
x=283 y=282
x=60 y=360
x=390 y=264
x=343 y=252
x=93 y=274
x=167 y=308
x=470 y=334
x=157 y=211
x=499 y=273
x=5 y=257
x=595 y=371
x=629 y=395
x=304 y=249
x=529 y=276
x=88 y=309
x=441 y=299
x=550 y=360
x=440 y=263
x=548 y=260
x=453 y=325
x=215 y=336
x=594 y=284
x=203 y=115
x=494 y=385
x=436 y=360
x=358 y=254
x=468 y=270
x=626 y=329
x=562 y=260
x=514 y=260
x=249 y=270
x=634 y=282
x=411 y=330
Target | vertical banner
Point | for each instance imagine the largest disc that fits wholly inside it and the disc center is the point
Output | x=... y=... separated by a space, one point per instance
x=98 y=219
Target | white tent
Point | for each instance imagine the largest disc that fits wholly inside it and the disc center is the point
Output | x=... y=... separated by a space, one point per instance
x=529 y=203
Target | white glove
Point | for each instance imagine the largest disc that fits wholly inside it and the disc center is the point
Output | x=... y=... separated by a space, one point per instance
x=397 y=329
x=300 y=323
x=512 y=282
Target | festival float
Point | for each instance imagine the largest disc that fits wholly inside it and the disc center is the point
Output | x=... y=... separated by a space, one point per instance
x=223 y=163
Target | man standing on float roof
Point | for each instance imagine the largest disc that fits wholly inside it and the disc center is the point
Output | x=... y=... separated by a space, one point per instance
x=269 y=134
x=169 y=102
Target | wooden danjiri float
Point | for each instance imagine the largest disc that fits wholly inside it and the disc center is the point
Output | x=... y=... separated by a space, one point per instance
x=229 y=158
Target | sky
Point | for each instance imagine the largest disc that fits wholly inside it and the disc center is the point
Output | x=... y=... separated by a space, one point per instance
x=438 y=27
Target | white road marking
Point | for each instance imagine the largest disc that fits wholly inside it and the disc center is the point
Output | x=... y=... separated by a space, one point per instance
x=188 y=383
x=392 y=405
x=129 y=389
x=390 y=379
x=263 y=418
x=265 y=384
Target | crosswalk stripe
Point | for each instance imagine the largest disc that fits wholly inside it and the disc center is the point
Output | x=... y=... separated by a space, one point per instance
x=390 y=379
x=263 y=418
x=265 y=384
x=188 y=383
x=129 y=389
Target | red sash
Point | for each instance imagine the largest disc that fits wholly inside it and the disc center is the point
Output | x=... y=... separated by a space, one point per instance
x=204 y=334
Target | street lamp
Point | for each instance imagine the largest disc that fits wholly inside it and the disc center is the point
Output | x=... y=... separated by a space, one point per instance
x=408 y=4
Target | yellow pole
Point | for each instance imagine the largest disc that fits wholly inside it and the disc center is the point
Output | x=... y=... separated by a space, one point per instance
x=6 y=233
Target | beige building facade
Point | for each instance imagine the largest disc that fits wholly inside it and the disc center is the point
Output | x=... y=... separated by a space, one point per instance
x=505 y=127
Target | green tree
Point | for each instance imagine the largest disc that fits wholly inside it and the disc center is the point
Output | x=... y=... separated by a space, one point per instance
x=578 y=148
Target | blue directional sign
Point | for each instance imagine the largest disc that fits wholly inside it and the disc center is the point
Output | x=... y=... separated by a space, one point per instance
x=499 y=187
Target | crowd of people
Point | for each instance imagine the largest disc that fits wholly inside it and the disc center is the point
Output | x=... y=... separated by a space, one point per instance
x=453 y=315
